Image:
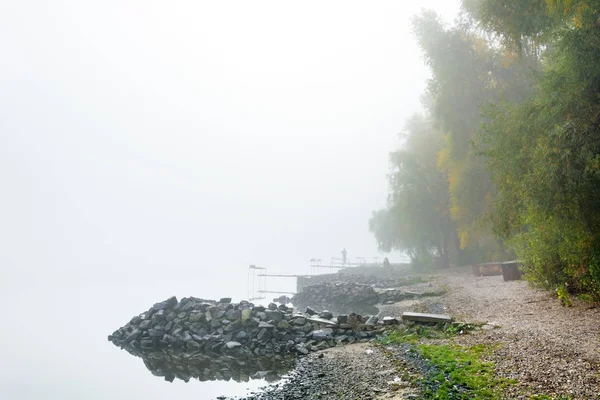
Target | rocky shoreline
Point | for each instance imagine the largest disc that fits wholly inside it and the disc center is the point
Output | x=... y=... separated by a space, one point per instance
x=330 y=355
x=221 y=340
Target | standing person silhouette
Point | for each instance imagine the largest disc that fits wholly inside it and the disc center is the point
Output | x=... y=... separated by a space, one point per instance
x=344 y=256
x=386 y=263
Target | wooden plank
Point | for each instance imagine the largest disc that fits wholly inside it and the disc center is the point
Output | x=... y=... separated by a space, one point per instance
x=419 y=317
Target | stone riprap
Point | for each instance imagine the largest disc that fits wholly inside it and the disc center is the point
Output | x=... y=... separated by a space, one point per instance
x=336 y=295
x=348 y=276
x=212 y=340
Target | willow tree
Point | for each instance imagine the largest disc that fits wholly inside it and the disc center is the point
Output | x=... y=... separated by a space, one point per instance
x=468 y=73
x=417 y=220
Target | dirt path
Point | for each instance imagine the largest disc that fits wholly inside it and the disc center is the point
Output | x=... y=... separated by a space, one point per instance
x=547 y=348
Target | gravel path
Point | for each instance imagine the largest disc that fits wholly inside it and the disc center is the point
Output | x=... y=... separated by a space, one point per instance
x=549 y=349
x=358 y=371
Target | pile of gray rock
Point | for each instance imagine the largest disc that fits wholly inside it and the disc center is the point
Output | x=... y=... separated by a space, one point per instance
x=222 y=340
x=348 y=276
x=379 y=281
x=351 y=295
x=336 y=294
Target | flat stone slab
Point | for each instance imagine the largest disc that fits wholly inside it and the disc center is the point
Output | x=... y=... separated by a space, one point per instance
x=419 y=317
x=321 y=321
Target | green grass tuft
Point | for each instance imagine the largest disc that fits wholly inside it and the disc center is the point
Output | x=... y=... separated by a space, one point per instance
x=453 y=372
x=414 y=333
x=458 y=373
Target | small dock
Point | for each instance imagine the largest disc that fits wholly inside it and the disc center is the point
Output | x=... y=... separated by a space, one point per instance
x=274 y=292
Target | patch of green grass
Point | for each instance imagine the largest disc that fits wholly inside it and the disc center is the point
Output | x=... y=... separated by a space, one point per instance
x=414 y=333
x=458 y=373
x=452 y=372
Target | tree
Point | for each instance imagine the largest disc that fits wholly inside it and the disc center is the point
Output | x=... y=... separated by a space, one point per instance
x=544 y=152
x=467 y=74
x=417 y=219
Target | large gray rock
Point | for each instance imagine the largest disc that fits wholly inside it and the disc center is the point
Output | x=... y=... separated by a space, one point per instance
x=242 y=336
x=325 y=314
x=167 y=304
x=283 y=325
x=233 y=345
x=322 y=334
x=274 y=315
x=263 y=335
x=299 y=321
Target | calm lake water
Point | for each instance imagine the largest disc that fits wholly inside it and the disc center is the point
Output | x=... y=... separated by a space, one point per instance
x=55 y=328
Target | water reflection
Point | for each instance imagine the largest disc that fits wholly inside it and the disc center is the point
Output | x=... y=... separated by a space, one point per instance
x=178 y=364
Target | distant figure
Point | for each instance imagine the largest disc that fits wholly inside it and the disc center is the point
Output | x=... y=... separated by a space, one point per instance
x=344 y=256
x=386 y=263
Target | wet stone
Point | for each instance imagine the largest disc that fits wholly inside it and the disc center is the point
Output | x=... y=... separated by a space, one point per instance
x=196 y=317
x=274 y=315
x=133 y=335
x=155 y=333
x=171 y=316
x=283 y=325
x=242 y=336
x=325 y=314
x=233 y=345
x=145 y=324
x=167 y=304
x=322 y=334
x=233 y=314
x=263 y=335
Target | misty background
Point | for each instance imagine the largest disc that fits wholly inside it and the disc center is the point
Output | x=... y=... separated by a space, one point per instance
x=150 y=149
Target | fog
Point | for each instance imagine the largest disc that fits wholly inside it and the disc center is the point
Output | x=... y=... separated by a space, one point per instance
x=152 y=148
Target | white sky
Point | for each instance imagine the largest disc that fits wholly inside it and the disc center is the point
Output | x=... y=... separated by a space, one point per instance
x=138 y=134
x=151 y=148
